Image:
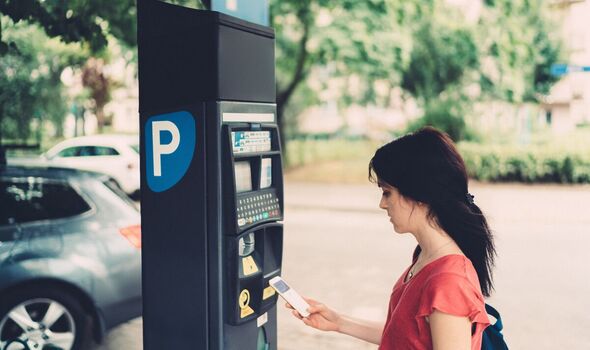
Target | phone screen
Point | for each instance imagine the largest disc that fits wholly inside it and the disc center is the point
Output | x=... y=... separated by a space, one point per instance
x=281 y=286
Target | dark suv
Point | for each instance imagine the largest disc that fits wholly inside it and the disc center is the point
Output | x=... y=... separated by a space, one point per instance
x=70 y=266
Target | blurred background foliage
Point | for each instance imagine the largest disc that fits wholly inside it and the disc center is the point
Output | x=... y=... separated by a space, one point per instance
x=30 y=85
x=363 y=51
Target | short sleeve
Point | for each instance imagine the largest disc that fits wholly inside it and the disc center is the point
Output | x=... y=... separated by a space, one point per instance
x=452 y=294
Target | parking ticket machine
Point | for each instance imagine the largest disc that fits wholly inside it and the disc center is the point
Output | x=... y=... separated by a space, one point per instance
x=212 y=186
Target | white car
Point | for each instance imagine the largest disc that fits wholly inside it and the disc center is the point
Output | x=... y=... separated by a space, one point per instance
x=114 y=155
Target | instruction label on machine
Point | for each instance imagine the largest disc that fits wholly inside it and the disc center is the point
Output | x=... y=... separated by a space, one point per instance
x=249 y=266
x=250 y=141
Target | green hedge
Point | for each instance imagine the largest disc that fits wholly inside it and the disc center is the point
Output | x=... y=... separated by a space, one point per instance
x=559 y=161
x=526 y=164
x=304 y=152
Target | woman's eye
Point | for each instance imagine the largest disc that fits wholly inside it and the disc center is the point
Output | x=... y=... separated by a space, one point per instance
x=385 y=194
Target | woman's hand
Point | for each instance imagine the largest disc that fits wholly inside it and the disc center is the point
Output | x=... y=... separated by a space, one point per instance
x=321 y=317
x=325 y=319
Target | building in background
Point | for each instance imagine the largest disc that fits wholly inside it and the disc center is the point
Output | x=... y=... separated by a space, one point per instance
x=568 y=103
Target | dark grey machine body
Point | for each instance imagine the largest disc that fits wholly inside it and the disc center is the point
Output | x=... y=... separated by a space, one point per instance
x=214 y=67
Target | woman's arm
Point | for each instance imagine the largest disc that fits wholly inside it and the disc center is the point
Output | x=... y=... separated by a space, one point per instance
x=449 y=332
x=369 y=331
x=323 y=318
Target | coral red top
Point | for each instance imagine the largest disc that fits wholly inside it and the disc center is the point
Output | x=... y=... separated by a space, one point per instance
x=448 y=284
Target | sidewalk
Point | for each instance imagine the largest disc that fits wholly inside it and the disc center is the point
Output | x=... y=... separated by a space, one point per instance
x=340 y=249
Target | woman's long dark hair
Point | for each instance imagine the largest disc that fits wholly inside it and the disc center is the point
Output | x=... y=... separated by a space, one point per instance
x=425 y=166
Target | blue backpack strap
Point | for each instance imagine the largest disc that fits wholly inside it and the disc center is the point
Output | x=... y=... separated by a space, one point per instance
x=491 y=311
x=492 y=338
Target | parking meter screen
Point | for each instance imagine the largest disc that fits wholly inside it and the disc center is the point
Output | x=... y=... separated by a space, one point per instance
x=243 y=177
x=266 y=173
x=250 y=141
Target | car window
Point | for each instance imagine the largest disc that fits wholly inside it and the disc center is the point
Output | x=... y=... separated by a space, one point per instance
x=135 y=147
x=87 y=151
x=69 y=152
x=33 y=199
x=105 y=151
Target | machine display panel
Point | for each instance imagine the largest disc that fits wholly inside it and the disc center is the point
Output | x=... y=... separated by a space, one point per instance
x=250 y=141
x=243 y=176
x=266 y=173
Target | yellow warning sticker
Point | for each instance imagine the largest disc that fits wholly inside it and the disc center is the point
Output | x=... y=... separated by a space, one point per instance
x=268 y=292
x=249 y=266
x=246 y=312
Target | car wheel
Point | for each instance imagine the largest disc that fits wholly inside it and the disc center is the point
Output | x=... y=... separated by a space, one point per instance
x=31 y=319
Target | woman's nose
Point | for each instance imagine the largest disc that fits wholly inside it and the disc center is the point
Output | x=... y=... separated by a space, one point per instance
x=383 y=203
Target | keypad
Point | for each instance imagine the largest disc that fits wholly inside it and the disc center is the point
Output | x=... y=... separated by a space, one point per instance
x=256 y=207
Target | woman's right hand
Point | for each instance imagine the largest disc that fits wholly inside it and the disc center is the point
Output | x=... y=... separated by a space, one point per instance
x=321 y=317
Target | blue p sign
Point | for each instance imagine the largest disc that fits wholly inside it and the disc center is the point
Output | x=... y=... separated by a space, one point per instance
x=169 y=146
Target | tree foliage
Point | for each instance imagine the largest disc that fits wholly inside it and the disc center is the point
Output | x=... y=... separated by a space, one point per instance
x=424 y=46
x=507 y=53
x=74 y=21
x=518 y=45
x=334 y=40
x=86 y=23
x=30 y=86
x=440 y=57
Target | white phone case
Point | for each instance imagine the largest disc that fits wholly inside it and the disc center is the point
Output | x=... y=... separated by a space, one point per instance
x=290 y=295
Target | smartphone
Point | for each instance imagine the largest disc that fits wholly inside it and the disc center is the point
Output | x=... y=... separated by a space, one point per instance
x=291 y=296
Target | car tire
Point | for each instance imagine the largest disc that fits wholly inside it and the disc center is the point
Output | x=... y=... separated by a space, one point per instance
x=70 y=324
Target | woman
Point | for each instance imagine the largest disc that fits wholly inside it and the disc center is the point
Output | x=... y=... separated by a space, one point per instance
x=438 y=302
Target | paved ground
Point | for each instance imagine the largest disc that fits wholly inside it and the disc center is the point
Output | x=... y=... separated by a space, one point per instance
x=341 y=249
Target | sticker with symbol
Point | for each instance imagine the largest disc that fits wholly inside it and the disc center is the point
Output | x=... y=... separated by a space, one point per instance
x=244 y=303
x=249 y=266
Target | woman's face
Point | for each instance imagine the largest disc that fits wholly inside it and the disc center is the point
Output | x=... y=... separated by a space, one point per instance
x=399 y=209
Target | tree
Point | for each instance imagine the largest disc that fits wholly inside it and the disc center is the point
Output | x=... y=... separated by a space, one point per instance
x=35 y=90
x=86 y=21
x=345 y=37
x=30 y=86
x=99 y=86
x=518 y=45
x=440 y=58
x=508 y=52
x=443 y=60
